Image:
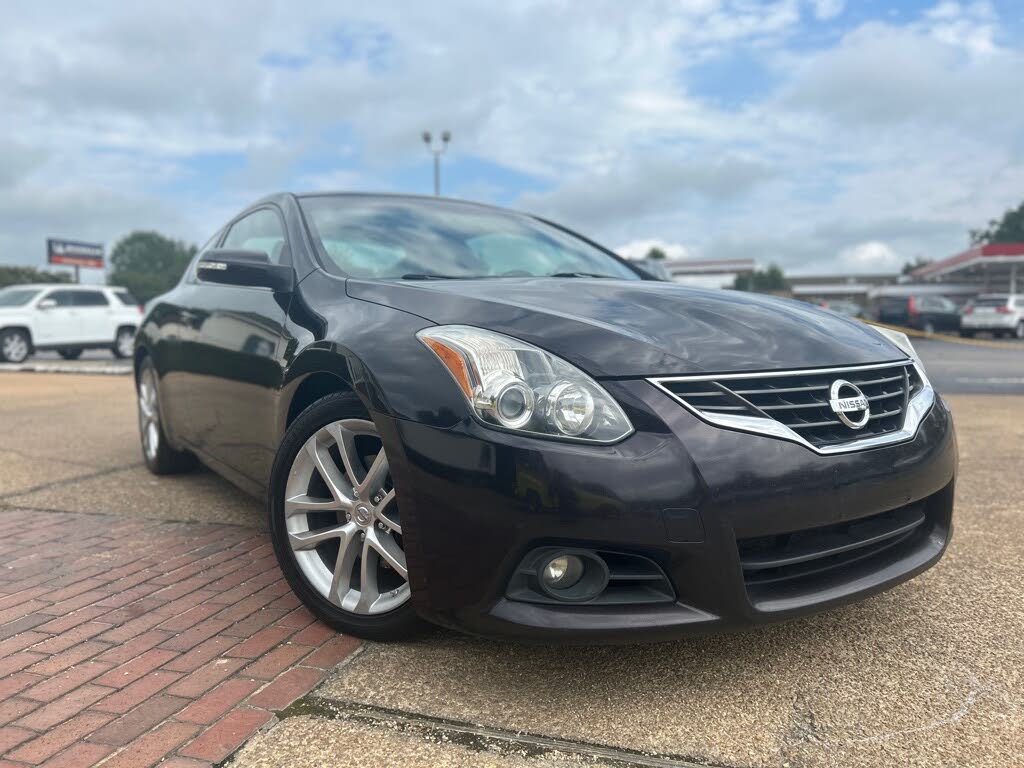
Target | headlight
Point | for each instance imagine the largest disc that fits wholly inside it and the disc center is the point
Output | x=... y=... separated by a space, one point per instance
x=516 y=386
x=902 y=341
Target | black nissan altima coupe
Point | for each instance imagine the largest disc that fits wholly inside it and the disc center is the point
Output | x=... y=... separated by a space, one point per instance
x=476 y=417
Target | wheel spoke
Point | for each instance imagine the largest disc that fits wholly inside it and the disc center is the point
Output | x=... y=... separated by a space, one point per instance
x=382 y=515
x=385 y=546
x=328 y=470
x=348 y=551
x=303 y=505
x=312 y=539
x=375 y=475
x=369 y=591
x=345 y=439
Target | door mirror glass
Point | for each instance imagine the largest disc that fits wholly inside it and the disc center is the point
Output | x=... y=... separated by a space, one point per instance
x=47 y=304
x=252 y=269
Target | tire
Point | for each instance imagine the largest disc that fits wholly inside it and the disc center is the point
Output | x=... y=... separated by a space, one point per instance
x=1018 y=332
x=124 y=343
x=356 y=528
x=160 y=457
x=928 y=328
x=967 y=334
x=15 y=346
x=70 y=354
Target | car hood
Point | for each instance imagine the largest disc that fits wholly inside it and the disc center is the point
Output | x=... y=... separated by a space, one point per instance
x=626 y=328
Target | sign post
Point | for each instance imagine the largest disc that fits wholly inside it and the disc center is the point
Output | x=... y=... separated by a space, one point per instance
x=74 y=253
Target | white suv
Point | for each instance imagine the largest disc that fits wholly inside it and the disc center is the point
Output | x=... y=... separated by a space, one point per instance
x=1000 y=313
x=66 y=318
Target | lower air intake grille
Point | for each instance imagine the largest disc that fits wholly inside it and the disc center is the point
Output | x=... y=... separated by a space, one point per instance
x=773 y=565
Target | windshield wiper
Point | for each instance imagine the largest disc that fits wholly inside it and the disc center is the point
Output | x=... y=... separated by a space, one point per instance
x=424 y=276
x=580 y=274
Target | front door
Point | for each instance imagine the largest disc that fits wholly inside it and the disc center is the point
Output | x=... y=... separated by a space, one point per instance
x=237 y=343
x=56 y=321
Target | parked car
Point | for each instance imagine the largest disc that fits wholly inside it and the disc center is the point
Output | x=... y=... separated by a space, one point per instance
x=66 y=318
x=923 y=313
x=1000 y=314
x=848 y=308
x=477 y=417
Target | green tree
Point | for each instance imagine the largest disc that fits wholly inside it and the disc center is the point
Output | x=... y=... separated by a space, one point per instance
x=771 y=280
x=148 y=264
x=1009 y=229
x=656 y=253
x=23 y=275
x=917 y=263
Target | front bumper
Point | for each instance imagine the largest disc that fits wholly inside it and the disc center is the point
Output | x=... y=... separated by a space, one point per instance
x=679 y=491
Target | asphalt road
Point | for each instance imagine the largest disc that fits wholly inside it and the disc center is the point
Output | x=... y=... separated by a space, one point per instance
x=958 y=367
x=927 y=674
x=953 y=366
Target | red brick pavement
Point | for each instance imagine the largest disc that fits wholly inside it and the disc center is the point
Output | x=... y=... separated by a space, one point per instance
x=128 y=642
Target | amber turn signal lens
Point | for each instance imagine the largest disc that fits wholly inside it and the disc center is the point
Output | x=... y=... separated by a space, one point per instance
x=453 y=362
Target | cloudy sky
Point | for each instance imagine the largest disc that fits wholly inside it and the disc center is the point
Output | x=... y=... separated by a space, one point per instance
x=821 y=135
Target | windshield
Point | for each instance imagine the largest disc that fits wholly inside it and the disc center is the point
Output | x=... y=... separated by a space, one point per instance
x=17 y=297
x=396 y=238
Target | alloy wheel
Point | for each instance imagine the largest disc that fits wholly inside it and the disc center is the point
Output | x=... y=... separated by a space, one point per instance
x=149 y=414
x=342 y=520
x=125 y=343
x=15 y=348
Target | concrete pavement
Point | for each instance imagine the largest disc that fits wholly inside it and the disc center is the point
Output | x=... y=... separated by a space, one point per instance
x=926 y=674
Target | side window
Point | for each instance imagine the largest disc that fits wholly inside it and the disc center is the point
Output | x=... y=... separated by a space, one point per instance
x=63 y=298
x=90 y=299
x=261 y=230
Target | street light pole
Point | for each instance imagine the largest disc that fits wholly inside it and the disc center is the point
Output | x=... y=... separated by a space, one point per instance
x=446 y=136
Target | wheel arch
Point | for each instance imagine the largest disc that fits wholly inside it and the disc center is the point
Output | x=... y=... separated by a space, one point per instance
x=20 y=327
x=320 y=369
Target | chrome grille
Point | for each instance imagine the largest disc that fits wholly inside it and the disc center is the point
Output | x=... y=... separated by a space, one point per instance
x=799 y=401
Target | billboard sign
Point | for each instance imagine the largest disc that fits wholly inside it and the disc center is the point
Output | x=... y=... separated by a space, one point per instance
x=73 y=253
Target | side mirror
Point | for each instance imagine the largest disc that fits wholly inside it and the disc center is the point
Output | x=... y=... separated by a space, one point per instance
x=47 y=304
x=252 y=269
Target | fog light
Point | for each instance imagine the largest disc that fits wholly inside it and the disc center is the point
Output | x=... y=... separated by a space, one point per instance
x=563 y=572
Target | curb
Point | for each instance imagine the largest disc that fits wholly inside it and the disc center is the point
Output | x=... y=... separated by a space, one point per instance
x=947 y=337
x=99 y=369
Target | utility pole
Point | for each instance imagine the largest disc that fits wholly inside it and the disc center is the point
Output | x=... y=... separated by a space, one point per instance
x=437 y=151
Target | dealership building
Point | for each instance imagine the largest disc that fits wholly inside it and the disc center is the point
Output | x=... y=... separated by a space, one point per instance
x=995 y=268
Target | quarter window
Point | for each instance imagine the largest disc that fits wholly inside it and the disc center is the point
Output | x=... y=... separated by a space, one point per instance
x=261 y=230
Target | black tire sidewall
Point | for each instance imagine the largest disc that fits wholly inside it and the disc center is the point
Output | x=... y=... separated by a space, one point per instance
x=167 y=460
x=400 y=623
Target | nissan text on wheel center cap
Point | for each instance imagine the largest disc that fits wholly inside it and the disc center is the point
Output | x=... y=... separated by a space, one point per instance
x=849 y=404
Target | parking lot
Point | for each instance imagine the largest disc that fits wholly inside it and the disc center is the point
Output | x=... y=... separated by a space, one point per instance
x=927 y=674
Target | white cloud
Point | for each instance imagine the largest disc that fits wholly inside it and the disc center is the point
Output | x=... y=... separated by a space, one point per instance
x=872 y=256
x=638 y=249
x=896 y=135
x=827 y=9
